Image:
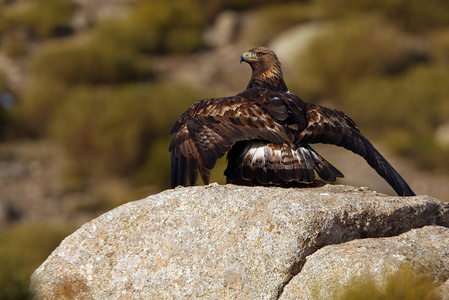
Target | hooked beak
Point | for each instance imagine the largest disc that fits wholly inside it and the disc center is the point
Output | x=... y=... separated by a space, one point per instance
x=244 y=57
x=247 y=57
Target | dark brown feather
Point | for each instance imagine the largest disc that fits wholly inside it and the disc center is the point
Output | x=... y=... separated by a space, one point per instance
x=211 y=126
x=266 y=131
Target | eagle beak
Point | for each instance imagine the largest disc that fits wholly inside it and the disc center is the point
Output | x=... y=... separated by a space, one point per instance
x=248 y=57
x=244 y=57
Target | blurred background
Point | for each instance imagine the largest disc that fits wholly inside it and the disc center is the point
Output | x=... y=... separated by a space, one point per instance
x=90 y=88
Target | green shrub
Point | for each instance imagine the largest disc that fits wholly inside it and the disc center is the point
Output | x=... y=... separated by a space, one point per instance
x=38 y=103
x=218 y=5
x=414 y=15
x=156 y=169
x=22 y=249
x=89 y=62
x=404 y=111
x=102 y=128
x=276 y=18
x=3 y=81
x=352 y=50
x=113 y=129
x=57 y=68
x=416 y=101
x=4 y=121
x=14 y=45
x=440 y=43
x=157 y=26
x=38 y=18
x=401 y=285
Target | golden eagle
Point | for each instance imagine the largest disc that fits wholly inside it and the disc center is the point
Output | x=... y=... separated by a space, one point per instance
x=267 y=131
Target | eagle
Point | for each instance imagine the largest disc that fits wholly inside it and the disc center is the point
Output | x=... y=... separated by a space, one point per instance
x=267 y=133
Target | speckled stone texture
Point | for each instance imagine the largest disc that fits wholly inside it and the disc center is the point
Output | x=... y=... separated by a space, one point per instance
x=327 y=272
x=220 y=242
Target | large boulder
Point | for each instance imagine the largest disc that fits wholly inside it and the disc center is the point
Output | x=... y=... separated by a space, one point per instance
x=220 y=241
x=331 y=270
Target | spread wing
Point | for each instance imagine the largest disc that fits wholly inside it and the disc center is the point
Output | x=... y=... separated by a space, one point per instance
x=208 y=129
x=331 y=126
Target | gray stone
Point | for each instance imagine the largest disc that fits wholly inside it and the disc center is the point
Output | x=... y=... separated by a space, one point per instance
x=292 y=43
x=224 y=30
x=330 y=270
x=442 y=135
x=220 y=241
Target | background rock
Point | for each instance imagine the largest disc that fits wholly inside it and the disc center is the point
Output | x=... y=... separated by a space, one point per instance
x=442 y=135
x=220 y=241
x=224 y=30
x=292 y=43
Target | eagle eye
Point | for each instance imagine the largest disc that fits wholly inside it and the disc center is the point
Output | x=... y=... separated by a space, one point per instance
x=258 y=54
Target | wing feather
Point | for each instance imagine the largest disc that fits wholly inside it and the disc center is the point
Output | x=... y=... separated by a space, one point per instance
x=211 y=127
x=207 y=130
x=331 y=126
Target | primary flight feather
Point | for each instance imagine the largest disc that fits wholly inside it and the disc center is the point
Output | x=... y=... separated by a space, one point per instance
x=267 y=132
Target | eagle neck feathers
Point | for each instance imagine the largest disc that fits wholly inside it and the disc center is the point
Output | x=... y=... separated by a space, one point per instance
x=268 y=77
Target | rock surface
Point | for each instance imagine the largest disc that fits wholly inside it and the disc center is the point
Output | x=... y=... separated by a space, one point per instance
x=326 y=273
x=220 y=241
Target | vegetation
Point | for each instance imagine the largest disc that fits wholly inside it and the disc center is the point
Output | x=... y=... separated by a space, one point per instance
x=376 y=71
x=214 y=6
x=403 y=284
x=22 y=250
x=157 y=27
x=37 y=19
x=117 y=128
x=412 y=136
x=360 y=48
x=92 y=62
x=413 y=16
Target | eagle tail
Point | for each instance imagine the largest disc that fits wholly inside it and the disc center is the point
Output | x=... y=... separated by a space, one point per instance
x=266 y=163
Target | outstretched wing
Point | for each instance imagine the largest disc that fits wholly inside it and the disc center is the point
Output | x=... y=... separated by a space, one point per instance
x=208 y=129
x=331 y=126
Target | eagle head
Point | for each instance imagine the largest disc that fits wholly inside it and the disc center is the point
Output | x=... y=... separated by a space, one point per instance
x=259 y=56
x=267 y=72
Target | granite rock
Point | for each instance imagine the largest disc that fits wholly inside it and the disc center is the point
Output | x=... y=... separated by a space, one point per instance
x=332 y=269
x=220 y=241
